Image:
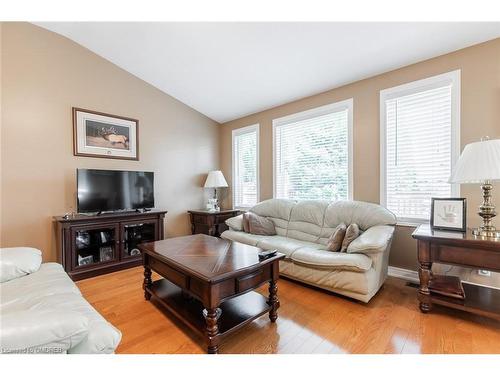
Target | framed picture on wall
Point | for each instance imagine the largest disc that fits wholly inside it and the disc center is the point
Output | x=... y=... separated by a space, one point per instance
x=101 y=135
x=448 y=214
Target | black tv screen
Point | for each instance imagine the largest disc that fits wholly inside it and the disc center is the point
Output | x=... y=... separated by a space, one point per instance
x=102 y=190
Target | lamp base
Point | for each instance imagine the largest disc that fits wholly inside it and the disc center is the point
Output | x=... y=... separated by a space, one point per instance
x=486 y=233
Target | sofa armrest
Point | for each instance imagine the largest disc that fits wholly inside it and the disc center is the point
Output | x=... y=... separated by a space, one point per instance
x=18 y=261
x=235 y=222
x=42 y=331
x=374 y=240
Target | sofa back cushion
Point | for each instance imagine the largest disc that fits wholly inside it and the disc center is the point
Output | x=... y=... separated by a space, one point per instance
x=18 y=261
x=306 y=220
x=257 y=224
x=278 y=211
x=365 y=214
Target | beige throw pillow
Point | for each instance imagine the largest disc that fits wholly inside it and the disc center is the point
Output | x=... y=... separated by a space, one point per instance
x=351 y=233
x=335 y=241
x=245 y=222
x=259 y=224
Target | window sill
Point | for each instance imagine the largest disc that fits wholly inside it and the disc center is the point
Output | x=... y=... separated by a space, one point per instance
x=411 y=223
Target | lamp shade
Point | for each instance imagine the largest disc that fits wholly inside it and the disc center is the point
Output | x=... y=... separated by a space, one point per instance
x=480 y=161
x=215 y=179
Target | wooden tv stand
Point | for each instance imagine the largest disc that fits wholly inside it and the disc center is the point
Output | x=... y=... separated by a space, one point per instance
x=91 y=245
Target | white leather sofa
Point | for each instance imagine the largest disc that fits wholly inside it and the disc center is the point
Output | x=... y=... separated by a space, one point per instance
x=43 y=311
x=303 y=229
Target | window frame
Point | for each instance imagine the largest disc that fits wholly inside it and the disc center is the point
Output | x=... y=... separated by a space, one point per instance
x=316 y=112
x=235 y=133
x=413 y=87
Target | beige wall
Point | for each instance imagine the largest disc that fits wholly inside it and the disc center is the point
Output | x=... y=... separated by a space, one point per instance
x=480 y=115
x=43 y=76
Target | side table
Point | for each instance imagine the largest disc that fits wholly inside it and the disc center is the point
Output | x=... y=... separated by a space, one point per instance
x=210 y=222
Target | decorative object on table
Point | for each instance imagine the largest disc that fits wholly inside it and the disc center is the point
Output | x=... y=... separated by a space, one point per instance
x=102 y=135
x=83 y=261
x=480 y=163
x=82 y=239
x=105 y=253
x=215 y=179
x=448 y=214
x=135 y=252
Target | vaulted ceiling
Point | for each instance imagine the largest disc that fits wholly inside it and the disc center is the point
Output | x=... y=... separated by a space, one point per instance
x=229 y=70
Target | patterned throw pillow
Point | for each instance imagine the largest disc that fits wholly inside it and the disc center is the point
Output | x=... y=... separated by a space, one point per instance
x=335 y=241
x=351 y=234
x=259 y=224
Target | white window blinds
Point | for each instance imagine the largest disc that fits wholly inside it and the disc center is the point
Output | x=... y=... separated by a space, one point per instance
x=312 y=153
x=420 y=143
x=245 y=166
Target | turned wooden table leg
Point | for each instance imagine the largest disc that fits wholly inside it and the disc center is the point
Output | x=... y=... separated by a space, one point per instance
x=147 y=282
x=425 y=275
x=273 y=300
x=211 y=317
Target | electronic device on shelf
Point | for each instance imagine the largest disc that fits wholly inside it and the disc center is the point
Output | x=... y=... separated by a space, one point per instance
x=108 y=190
x=267 y=254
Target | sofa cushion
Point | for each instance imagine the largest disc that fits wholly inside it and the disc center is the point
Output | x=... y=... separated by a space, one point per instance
x=286 y=245
x=258 y=224
x=18 y=261
x=364 y=214
x=331 y=260
x=306 y=220
x=44 y=331
x=239 y=236
x=102 y=337
x=48 y=280
x=235 y=222
x=50 y=288
x=373 y=240
x=278 y=210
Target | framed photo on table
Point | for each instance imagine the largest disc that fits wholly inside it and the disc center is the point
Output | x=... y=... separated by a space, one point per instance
x=101 y=135
x=449 y=214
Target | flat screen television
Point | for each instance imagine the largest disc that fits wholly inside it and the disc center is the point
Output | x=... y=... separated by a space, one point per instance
x=106 y=190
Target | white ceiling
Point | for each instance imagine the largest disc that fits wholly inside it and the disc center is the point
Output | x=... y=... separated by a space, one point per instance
x=229 y=70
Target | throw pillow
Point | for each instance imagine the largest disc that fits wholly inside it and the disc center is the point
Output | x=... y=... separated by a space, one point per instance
x=235 y=223
x=259 y=225
x=335 y=241
x=245 y=222
x=351 y=233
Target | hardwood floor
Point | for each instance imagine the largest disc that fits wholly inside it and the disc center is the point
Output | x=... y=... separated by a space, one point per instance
x=310 y=321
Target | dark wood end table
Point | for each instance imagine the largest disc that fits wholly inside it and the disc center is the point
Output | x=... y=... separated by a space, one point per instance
x=210 y=222
x=463 y=249
x=209 y=283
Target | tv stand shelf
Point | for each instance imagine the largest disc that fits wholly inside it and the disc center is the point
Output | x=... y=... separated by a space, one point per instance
x=91 y=245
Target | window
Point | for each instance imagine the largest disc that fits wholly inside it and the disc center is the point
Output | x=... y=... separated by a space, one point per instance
x=419 y=144
x=313 y=153
x=246 y=166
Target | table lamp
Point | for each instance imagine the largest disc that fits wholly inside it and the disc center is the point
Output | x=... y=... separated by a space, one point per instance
x=215 y=179
x=479 y=163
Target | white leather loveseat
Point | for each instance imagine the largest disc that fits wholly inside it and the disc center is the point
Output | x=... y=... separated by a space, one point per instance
x=303 y=229
x=43 y=311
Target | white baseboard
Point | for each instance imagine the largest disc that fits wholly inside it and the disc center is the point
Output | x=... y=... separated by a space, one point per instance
x=409 y=275
x=403 y=273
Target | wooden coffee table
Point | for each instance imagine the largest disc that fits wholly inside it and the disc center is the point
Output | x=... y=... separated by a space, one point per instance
x=209 y=283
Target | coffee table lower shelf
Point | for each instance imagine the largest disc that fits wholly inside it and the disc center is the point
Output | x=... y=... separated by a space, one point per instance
x=236 y=312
